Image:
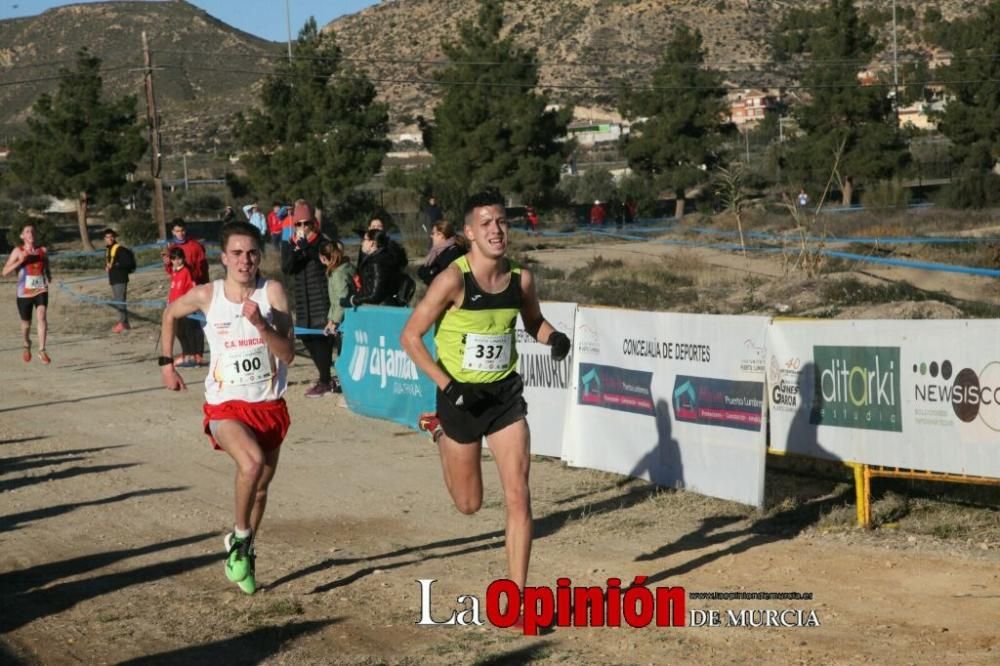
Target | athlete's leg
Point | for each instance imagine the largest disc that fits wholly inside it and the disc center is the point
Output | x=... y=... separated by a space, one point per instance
x=511 y=450
x=239 y=442
x=463 y=474
x=260 y=498
x=26 y=333
x=43 y=325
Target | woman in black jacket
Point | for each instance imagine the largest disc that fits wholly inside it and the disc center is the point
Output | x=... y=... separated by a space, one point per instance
x=446 y=247
x=300 y=261
x=379 y=271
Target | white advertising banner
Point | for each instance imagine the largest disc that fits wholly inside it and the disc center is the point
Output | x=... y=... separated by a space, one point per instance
x=546 y=382
x=676 y=399
x=912 y=394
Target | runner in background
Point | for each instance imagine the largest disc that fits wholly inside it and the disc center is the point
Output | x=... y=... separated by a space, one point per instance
x=473 y=304
x=33 y=277
x=249 y=331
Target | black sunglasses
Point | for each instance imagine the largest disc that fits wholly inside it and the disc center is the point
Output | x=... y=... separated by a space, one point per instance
x=302 y=224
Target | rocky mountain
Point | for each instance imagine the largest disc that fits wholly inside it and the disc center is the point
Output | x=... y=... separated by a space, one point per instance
x=587 y=46
x=207 y=70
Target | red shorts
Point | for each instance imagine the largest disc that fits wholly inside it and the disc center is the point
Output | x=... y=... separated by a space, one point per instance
x=268 y=420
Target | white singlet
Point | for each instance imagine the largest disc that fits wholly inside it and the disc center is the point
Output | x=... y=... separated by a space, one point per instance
x=242 y=368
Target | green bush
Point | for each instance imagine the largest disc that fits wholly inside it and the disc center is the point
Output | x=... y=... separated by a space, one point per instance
x=977 y=189
x=886 y=194
x=136 y=229
x=199 y=204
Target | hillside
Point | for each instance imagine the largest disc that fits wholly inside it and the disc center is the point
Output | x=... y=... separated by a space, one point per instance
x=587 y=46
x=207 y=70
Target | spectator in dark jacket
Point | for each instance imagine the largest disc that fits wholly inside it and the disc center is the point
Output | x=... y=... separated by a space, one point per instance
x=116 y=264
x=446 y=247
x=395 y=250
x=379 y=271
x=300 y=260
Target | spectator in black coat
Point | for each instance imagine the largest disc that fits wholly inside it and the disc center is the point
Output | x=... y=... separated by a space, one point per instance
x=379 y=271
x=446 y=247
x=395 y=250
x=300 y=261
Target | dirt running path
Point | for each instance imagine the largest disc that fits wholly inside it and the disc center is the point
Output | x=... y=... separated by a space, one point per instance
x=112 y=508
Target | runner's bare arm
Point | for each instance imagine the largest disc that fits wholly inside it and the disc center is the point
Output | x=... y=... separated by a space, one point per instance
x=280 y=335
x=442 y=294
x=198 y=298
x=13 y=261
x=531 y=312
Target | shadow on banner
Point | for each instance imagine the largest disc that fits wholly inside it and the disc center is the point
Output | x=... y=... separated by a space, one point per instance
x=377 y=376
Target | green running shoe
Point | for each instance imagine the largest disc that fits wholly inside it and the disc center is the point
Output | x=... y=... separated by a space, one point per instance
x=238 y=562
x=249 y=584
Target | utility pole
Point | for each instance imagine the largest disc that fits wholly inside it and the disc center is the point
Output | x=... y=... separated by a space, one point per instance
x=895 y=66
x=288 y=27
x=153 y=123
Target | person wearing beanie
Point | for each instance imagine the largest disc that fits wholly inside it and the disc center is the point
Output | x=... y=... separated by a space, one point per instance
x=300 y=260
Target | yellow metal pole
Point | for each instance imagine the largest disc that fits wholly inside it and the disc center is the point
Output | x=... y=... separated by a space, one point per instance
x=859 y=494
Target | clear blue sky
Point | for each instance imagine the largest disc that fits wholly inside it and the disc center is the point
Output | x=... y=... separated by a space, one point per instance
x=264 y=18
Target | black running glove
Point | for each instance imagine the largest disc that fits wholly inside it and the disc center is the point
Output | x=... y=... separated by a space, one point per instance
x=560 y=345
x=463 y=396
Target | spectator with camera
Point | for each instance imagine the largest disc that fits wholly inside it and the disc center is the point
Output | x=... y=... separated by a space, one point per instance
x=300 y=260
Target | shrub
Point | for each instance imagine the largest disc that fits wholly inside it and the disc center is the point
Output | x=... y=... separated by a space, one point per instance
x=136 y=229
x=886 y=194
x=977 y=189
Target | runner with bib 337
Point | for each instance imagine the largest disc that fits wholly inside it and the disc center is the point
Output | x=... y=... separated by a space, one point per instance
x=474 y=305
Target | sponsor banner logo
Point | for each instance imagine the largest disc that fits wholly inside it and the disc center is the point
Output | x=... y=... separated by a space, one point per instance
x=753 y=362
x=541 y=371
x=616 y=388
x=667 y=349
x=784 y=381
x=966 y=394
x=719 y=402
x=588 y=340
x=383 y=363
x=857 y=387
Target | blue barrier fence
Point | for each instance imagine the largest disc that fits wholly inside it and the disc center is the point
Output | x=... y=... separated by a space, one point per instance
x=377 y=376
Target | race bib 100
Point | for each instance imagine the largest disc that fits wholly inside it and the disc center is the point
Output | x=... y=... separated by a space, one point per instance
x=246 y=366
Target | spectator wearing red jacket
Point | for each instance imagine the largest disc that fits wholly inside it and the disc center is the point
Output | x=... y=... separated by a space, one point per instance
x=194 y=252
x=274 y=224
x=188 y=330
x=598 y=214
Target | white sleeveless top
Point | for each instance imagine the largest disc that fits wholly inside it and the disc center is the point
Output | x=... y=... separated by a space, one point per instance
x=242 y=368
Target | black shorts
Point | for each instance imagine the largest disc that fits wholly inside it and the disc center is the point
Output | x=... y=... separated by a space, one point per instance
x=24 y=305
x=504 y=406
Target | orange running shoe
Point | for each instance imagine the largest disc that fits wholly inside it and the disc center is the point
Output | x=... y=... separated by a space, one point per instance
x=26 y=355
x=43 y=356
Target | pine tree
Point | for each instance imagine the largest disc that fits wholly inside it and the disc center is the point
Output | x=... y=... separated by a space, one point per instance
x=678 y=138
x=491 y=128
x=843 y=123
x=972 y=117
x=78 y=144
x=320 y=132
